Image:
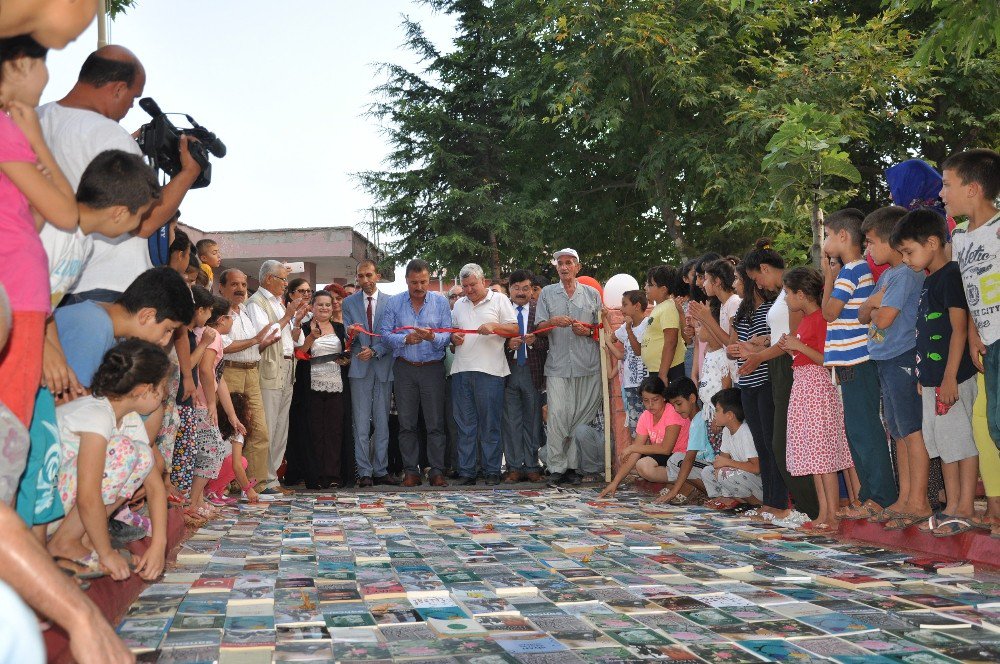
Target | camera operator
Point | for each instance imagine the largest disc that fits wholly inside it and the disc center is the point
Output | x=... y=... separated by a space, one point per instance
x=79 y=127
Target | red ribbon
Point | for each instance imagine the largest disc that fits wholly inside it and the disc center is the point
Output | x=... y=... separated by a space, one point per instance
x=454 y=330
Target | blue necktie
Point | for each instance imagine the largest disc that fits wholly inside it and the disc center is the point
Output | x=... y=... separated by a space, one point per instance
x=522 y=350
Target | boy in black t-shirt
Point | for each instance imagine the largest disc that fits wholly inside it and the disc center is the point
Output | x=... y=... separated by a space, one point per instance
x=945 y=373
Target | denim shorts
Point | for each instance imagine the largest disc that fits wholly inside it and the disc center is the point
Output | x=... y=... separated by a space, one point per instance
x=901 y=405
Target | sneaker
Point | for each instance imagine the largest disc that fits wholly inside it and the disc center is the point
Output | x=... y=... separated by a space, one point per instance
x=130 y=518
x=270 y=491
x=123 y=533
x=219 y=501
x=793 y=520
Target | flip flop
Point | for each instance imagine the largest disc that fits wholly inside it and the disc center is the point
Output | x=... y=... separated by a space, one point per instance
x=888 y=514
x=932 y=522
x=742 y=508
x=955 y=525
x=90 y=564
x=903 y=520
x=981 y=522
x=850 y=506
x=866 y=510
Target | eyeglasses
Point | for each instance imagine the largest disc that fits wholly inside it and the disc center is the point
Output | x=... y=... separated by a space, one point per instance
x=302 y=290
x=453 y=296
x=283 y=280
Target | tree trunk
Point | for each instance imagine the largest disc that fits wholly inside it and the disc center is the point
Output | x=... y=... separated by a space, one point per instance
x=494 y=257
x=670 y=221
x=816 y=250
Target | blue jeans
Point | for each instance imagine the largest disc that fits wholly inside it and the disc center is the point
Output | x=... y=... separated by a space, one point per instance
x=992 y=379
x=866 y=435
x=477 y=400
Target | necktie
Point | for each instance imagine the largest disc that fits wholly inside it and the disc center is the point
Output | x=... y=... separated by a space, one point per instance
x=522 y=350
x=370 y=314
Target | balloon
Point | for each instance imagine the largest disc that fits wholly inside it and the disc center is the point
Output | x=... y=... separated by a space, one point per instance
x=616 y=287
x=593 y=283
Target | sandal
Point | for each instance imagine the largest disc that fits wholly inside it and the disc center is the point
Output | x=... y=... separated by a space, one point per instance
x=995 y=531
x=932 y=522
x=955 y=525
x=866 y=510
x=888 y=514
x=982 y=522
x=90 y=566
x=853 y=505
x=902 y=520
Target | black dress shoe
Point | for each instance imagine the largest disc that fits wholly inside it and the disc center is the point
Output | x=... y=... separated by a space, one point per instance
x=466 y=481
x=555 y=479
x=452 y=475
x=364 y=482
x=386 y=479
x=569 y=477
x=492 y=480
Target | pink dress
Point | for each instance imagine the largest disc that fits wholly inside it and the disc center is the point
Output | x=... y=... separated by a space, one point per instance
x=817 y=442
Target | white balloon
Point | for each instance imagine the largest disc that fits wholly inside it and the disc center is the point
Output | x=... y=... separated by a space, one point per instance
x=616 y=287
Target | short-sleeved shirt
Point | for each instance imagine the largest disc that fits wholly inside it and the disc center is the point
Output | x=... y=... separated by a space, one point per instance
x=812 y=332
x=902 y=293
x=90 y=414
x=86 y=333
x=698 y=440
x=633 y=368
x=728 y=311
x=76 y=136
x=846 y=338
x=570 y=355
x=778 y=318
x=942 y=291
x=218 y=344
x=739 y=446
x=977 y=253
x=656 y=430
x=24 y=267
x=664 y=316
x=483 y=353
x=748 y=328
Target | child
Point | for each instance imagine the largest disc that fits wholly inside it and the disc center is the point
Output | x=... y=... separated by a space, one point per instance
x=735 y=473
x=29 y=179
x=684 y=470
x=630 y=335
x=211 y=391
x=944 y=367
x=720 y=283
x=106 y=457
x=847 y=284
x=817 y=444
x=234 y=466
x=180 y=252
x=971 y=184
x=891 y=314
x=210 y=256
x=151 y=308
x=192 y=271
x=186 y=446
x=662 y=346
x=665 y=430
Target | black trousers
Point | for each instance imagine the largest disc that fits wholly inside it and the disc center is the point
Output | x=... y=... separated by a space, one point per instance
x=801 y=488
x=758 y=411
x=420 y=390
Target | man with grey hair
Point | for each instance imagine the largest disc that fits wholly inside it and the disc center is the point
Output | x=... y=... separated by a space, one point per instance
x=268 y=310
x=478 y=372
x=573 y=365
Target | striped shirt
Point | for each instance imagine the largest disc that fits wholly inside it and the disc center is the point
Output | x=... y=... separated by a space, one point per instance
x=243 y=328
x=746 y=329
x=846 y=338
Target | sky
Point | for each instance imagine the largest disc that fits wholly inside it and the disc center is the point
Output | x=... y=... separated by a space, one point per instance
x=284 y=85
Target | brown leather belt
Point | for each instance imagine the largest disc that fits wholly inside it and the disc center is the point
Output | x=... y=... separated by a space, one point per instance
x=241 y=365
x=287 y=357
x=419 y=364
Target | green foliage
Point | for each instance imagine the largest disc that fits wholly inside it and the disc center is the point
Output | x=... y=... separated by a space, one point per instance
x=960 y=29
x=647 y=131
x=116 y=7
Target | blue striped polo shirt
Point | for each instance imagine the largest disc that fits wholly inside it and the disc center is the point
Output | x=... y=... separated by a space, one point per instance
x=846 y=338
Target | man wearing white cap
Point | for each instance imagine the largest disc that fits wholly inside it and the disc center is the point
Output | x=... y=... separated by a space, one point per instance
x=573 y=365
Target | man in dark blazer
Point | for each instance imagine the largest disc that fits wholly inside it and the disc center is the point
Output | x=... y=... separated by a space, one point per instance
x=371 y=378
x=522 y=412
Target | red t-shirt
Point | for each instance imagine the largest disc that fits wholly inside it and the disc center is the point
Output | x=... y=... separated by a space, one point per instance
x=812 y=332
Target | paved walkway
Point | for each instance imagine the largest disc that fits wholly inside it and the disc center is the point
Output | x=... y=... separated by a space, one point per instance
x=540 y=576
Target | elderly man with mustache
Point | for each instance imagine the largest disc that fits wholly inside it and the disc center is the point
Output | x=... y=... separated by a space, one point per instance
x=242 y=352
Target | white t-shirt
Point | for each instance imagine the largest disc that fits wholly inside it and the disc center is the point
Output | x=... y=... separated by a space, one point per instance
x=977 y=253
x=90 y=414
x=738 y=445
x=728 y=311
x=633 y=368
x=75 y=137
x=777 y=318
x=481 y=352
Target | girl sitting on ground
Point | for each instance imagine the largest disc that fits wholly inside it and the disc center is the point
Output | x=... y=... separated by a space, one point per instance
x=106 y=457
x=234 y=466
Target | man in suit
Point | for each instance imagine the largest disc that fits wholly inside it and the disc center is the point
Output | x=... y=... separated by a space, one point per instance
x=522 y=408
x=371 y=377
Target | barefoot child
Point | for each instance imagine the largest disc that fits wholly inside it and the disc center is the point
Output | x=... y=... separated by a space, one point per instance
x=661 y=431
x=106 y=457
x=234 y=466
x=817 y=444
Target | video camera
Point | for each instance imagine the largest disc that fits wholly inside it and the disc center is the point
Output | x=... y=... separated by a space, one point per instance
x=160 y=140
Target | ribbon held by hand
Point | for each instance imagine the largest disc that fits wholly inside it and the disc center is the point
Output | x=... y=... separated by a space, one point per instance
x=357 y=329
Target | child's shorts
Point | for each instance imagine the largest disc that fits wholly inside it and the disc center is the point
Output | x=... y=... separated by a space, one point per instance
x=901 y=404
x=674 y=467
x=949 y=436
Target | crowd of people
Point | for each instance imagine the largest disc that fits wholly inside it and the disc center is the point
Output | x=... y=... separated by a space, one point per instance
x=135 y=372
